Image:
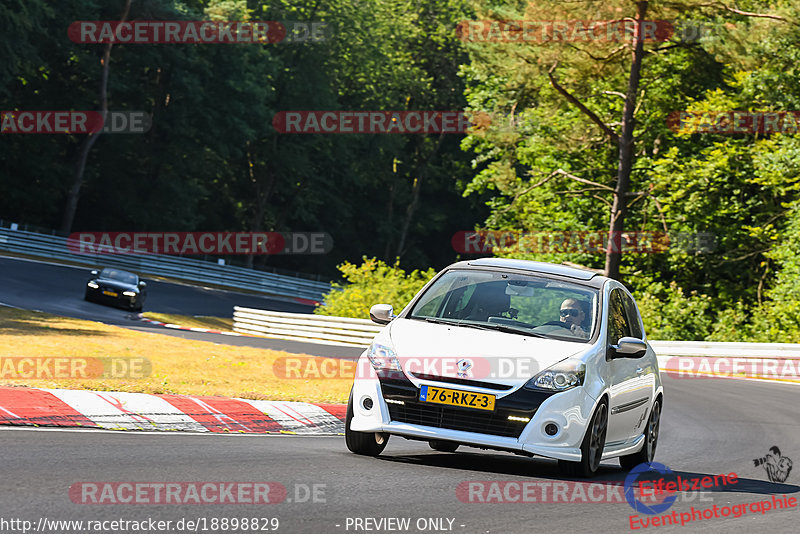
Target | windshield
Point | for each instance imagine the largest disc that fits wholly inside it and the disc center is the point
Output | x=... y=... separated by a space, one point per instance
x=529 y=304
x=120 y=276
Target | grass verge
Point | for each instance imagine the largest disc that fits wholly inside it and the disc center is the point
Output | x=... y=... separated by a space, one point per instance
x=178 y=366
x=199 y=321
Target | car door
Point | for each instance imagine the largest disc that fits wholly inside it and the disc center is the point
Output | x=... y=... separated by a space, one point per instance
x=647 y=367
x=629 y=392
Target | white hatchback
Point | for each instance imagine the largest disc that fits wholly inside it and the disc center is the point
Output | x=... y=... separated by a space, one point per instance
x=519 y=356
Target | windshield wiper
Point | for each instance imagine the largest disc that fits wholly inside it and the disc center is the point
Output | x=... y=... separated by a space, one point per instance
x=487 y=326
x=437 y=320
x=454 y=322
x=512 y=330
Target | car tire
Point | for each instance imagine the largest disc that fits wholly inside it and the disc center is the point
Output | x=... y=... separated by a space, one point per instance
x=591 y=447
x=365 y=443
x=443 y=446
x=648 y=452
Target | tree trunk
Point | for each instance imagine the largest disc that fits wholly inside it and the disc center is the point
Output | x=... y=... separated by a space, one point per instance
x=626 y=148
x=258 y=215
x=419 y=174
x=83 y=153
x=262 y=189
x=412 y=207
x=389 y=220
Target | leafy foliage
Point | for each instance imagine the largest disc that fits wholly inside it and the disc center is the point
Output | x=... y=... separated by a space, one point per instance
x=373 y=282
x=532 y=162
x=212 y=160
x=669 y=313
x=735 y=187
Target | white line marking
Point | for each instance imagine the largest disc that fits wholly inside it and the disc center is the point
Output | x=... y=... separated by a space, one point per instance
x=12 y=414
x=8 y=428
x=129 y=411
x=307 y=417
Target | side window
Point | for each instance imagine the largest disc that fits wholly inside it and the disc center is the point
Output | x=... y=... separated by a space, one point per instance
x=633 y=316
x=431 y=307
x=618 y=325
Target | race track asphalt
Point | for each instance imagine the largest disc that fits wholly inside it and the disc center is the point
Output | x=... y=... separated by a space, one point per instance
x=709 y=426
x=58 y=289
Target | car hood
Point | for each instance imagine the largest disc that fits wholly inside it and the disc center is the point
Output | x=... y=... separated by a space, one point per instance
x=116 y=284
x=495 y=357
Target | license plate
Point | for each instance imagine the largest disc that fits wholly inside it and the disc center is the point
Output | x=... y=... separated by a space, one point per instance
x=110 y=293
x=453 y=397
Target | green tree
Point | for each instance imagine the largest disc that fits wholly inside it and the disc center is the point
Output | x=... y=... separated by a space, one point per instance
x=372 y=282
x=576 y=126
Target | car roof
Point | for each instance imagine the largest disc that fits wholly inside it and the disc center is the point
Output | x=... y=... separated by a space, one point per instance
x=590 y=277
x=122 y=271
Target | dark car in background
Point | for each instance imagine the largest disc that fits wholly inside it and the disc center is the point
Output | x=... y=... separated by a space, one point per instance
x=118 y=287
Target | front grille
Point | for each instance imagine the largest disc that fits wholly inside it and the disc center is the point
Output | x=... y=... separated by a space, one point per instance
x=495 y=422
x=521 y=403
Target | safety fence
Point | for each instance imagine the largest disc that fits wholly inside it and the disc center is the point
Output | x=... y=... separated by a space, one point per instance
x=176 y=267
x=693 y=359
x=350 y=331
x=343 y=331
x=723 y=349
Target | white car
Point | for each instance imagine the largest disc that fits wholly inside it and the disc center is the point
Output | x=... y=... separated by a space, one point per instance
x=519 y=356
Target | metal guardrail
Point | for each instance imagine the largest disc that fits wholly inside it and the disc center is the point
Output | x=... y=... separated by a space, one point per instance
x=724 y=349
x=341 y=331
x=180 y=268
x=774 y=362
x=346 y=331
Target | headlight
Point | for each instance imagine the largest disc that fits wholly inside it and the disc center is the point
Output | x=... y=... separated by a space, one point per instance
x=383 y=357
x=562 y=376
x=93 y=284
x=129 y=293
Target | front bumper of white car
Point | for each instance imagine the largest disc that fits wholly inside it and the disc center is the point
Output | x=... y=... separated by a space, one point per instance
x=395 y=408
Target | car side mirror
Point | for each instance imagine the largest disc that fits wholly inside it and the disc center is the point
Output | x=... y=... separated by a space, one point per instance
x=142 y=283
x=95 y=273
x=627 y=347
x=382 y=313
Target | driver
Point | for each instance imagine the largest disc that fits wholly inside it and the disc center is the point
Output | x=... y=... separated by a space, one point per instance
x=573 y=316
